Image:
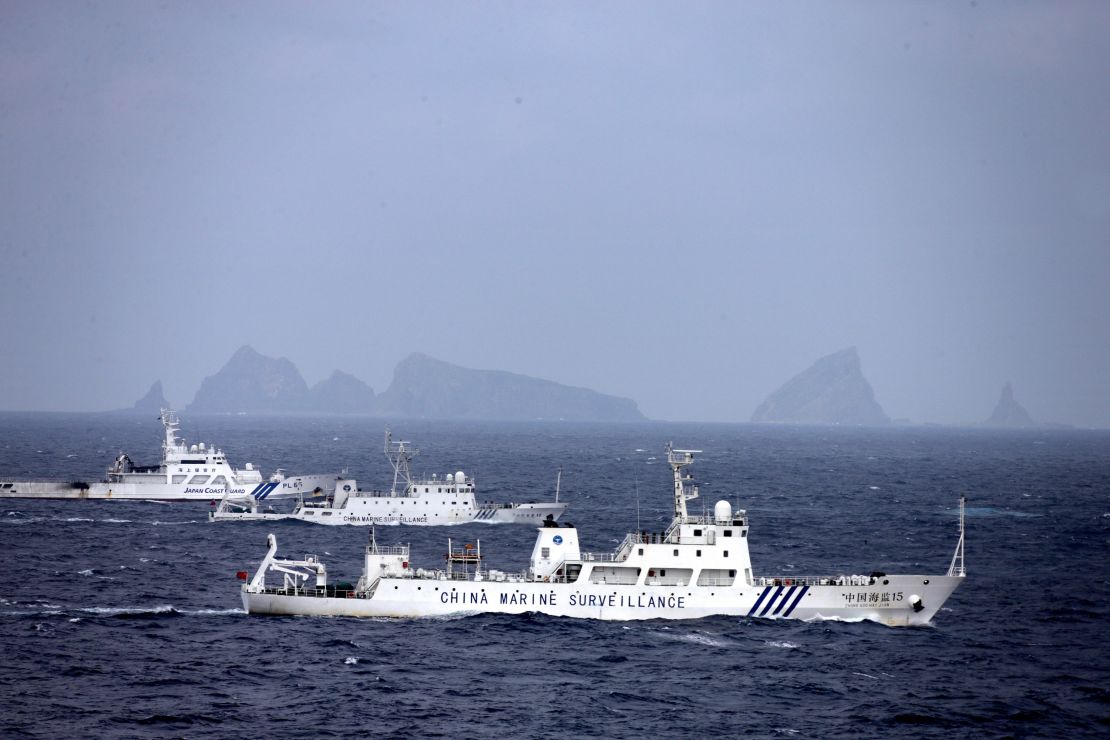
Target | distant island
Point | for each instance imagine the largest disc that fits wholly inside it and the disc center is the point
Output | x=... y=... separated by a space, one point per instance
x=426 y=387
x=832 y=391
x=152 y=403
x=422 y=387
x=1008 y=412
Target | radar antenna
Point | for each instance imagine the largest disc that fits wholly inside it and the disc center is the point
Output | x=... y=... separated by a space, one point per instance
x=172 y=425
x=684 y=490
x=400 y=456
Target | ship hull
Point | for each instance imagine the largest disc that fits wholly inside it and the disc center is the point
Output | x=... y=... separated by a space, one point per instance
x=149 y=491
x=369 y=513
x=890 y=602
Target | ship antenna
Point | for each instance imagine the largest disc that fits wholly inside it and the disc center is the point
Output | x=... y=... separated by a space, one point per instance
x=957 y=567
x=400 y=455
x=679 y=459
x=637 y=484
x=558 y=481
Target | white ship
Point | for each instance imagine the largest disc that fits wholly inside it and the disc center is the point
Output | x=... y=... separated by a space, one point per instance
x=430 y=501
x=196 y=472
x=698 y=567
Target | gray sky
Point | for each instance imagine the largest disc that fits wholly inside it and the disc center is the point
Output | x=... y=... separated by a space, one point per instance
x=684 y=203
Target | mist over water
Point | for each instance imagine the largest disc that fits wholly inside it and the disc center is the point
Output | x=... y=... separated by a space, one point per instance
x=125 y=617
x=681 y=206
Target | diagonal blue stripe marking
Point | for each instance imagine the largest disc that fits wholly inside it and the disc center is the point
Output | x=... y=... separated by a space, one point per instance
x=796 y=600
x=772 y=601
x=257 y=489
x=759 y=601
x=785 y=598
x=267 y=490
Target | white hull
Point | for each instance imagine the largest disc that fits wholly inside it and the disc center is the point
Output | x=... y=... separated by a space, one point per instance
x=393 y=514
x=698 y=567
x=196 y=472
x=430 y=501
x=409 y=597
x=151 y=491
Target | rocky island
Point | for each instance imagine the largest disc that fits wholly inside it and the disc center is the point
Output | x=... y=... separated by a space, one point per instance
x=832 y=391
x=1008 y=412
x=422 y=387
x=429 y=388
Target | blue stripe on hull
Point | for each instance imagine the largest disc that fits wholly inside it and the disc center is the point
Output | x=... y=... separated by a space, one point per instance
x=772 y=601
x=785 y=598
x=796 y=600
x=759 y=601
x=265 y=491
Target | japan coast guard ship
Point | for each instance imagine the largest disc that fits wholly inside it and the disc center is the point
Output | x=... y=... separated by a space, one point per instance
x=418 y=501
x=187 y=473
x=698 y=567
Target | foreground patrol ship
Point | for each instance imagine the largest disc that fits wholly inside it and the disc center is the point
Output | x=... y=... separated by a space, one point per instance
x=698 y=567
x=186 y=473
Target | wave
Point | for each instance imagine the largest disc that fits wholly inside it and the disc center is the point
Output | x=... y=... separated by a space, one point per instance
x=989 y=511
x=123 y=612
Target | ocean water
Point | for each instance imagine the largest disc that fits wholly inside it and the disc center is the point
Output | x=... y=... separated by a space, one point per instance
x=123 y=619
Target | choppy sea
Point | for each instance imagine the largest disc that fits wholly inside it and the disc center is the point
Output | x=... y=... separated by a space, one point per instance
x=123 y=619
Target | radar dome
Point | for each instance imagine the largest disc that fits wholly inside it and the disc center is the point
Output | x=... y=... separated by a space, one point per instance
x=722 y=511
x=450 y=477
x=459 y=477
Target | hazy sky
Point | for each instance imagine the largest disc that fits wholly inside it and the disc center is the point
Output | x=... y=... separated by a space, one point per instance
x=684 y=203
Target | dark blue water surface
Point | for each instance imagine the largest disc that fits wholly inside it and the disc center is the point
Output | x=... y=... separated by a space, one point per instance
x=124 y=619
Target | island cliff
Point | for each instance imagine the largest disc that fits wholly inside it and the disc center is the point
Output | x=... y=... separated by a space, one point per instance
x=152 y=403
x=832 y=391
x=1008 y=412
x=252 y=382
x=422 y=387
x=428 y=388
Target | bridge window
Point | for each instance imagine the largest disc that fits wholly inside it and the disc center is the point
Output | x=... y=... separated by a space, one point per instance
x=697 y=533
x=716 y=577
x=614 y=574
x=728 y=533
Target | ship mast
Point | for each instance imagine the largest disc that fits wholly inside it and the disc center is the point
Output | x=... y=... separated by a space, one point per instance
x=400 y=454
x=957 y=566
x=684 y=490
x=171 y=423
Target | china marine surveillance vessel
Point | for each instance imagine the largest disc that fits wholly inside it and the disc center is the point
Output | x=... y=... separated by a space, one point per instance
x=698 y=567
x=196 y=472
x=429 y=501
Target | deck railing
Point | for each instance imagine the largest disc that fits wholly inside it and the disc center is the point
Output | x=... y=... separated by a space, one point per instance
x=854 y=580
